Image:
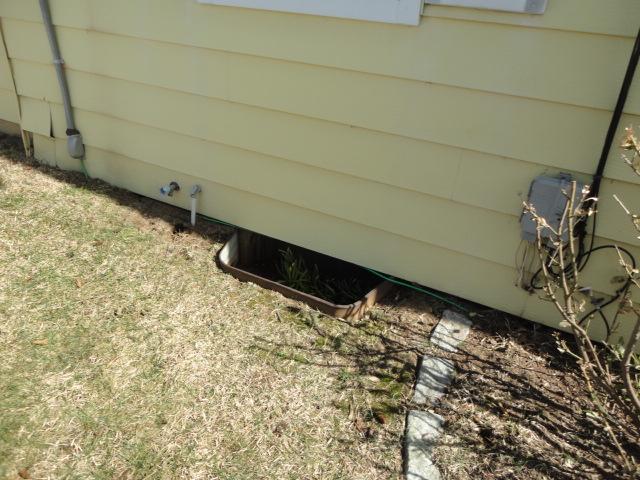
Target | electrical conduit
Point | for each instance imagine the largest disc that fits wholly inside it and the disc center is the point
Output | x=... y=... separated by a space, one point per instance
x=75 y=145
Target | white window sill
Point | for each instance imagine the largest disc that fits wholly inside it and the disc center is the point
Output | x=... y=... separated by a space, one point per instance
x=406 y=12
x=518 y=6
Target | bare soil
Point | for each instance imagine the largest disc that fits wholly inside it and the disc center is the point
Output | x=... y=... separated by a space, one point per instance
x=518 y=409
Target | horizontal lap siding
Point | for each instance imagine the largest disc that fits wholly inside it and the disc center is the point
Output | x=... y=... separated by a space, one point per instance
x=393 y=253
x=461 y=178
x=6 y=79
x=613 y=17
x=9 y=111
x=36 y=116
x=8 y=106
x=434 y=221
x=307 y=228
x=464 y=118
x=440 y=44
x=610 y=17
x=405 y=149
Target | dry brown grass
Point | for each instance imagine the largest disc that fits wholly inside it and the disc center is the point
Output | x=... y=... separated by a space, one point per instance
x=126 y=353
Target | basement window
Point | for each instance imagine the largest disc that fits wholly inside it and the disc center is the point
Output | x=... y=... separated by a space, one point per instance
x=406 y=12
x=519 y=6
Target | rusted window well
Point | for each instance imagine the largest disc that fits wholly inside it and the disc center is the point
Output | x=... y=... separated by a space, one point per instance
x=332 y=286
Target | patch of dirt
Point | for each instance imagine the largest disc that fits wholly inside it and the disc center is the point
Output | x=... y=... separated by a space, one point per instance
x=518 y=409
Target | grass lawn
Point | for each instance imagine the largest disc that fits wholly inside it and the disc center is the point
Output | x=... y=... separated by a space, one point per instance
x=126 y=353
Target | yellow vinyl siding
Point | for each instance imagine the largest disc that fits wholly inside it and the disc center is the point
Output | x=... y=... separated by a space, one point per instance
x=613 y=17
x=8 y=107
x=45 y=148
x=508 y=126
x=435 y=221
x=9 y=111
x=295 y=223
x=610 y=17
x=373 y=204
x=466 y=178
x=503 y=59
x=404 y=256
x=6 y=79
x=36 y=116
x=406 y=149
x=403 y=107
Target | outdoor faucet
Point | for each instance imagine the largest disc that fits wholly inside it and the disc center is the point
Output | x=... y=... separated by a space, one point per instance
x=167 y=190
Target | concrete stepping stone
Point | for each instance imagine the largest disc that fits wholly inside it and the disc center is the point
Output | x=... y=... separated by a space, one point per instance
x=434 y=376
x=423 y=430
x=451 y=331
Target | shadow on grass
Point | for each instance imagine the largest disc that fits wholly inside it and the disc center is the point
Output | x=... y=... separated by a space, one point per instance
x=493 y=384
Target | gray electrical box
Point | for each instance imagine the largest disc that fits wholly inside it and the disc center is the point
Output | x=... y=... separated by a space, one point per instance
x=549 y=197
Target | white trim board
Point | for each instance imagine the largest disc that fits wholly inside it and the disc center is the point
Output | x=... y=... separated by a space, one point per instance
x=406 y=12
x=519 y=6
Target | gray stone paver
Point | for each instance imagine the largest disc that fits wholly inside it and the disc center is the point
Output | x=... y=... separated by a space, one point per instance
x=434 y=376
x=423 y=430
x=452 y=330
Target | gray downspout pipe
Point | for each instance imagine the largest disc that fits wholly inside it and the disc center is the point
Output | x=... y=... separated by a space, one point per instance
x=74 y=138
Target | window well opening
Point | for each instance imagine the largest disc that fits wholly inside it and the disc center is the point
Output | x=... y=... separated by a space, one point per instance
x=333 y=286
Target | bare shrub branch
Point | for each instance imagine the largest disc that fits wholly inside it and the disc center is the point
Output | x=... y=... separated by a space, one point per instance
x=609 y=371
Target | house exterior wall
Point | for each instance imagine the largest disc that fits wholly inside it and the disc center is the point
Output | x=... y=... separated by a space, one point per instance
x=9 y=107
x=405 y=149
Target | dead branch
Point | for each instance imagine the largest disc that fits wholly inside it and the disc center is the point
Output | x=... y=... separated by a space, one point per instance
x=561 y=259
